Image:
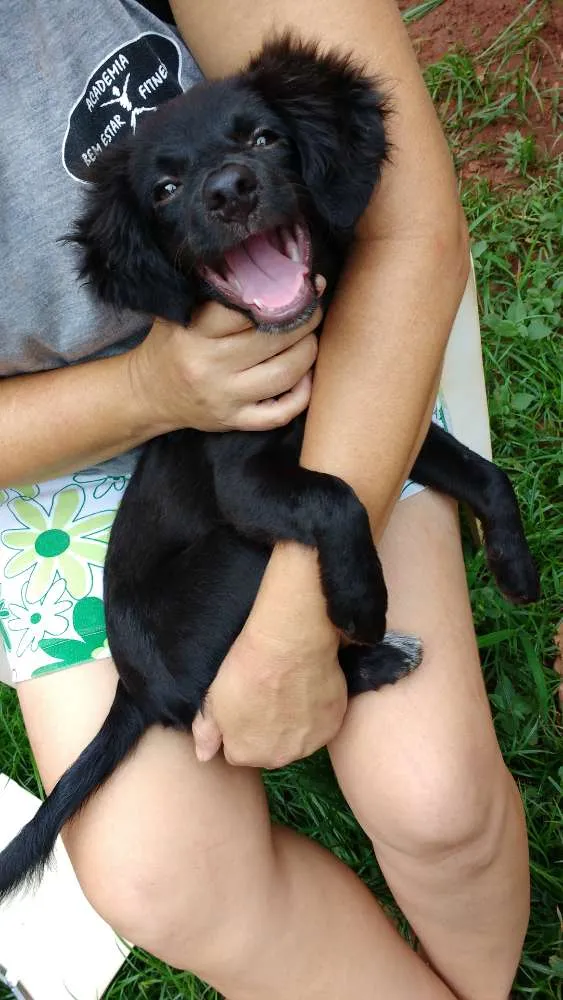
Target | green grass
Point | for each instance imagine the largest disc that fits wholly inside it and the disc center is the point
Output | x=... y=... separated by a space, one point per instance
x=515 y=231
x=420 y=10
x=500 y=88
x=520 y=278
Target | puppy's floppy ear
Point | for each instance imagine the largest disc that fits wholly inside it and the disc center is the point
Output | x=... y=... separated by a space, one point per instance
x=335 y=114
x=119 y=256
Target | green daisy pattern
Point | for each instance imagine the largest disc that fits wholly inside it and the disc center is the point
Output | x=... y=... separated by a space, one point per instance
x=32 y=621
x=440 y=416
x=4 y=615
x=28 y=492
x=57 y=543
x=91 y=643
x=102 y=484
x=53 y=544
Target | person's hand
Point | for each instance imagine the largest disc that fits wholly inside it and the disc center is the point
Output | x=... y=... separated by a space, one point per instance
x=280 y=694
x=220 y=374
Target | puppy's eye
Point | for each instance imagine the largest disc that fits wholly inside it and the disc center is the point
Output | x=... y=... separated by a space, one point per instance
x=263 y=137
x=165 y=190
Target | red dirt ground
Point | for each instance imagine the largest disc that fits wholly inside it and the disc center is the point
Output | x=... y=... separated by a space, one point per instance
x=472 y=25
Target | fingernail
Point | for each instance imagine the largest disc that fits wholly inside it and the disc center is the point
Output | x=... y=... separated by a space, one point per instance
x=320 y=283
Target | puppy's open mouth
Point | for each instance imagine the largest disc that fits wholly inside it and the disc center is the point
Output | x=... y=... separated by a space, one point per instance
x=269 y=276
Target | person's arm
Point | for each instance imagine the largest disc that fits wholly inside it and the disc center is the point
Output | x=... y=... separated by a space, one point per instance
x=216 y=375
x=385 y=335
x=379 y=359
x=63 y=420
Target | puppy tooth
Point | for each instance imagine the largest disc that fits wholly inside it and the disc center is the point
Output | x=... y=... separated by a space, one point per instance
x=290 y=246
x=300 y=239
x=276 y=239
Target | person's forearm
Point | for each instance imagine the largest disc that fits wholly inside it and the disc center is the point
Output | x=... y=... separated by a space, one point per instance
x=386 y=331
x=59 y=421
x=379 y=364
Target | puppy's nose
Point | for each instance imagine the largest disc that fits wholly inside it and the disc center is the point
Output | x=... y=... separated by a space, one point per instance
x=230 y=192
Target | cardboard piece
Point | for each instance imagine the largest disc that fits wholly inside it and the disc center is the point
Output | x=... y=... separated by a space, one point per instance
x=463 y=382
x=53 y=945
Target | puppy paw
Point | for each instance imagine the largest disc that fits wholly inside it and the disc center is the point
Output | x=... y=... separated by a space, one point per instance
x=359 y=612
x=513 y=567
x=404 y=650
x=386 y=663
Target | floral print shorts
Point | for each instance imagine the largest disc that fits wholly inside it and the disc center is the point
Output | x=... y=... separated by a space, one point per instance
x=53 y=541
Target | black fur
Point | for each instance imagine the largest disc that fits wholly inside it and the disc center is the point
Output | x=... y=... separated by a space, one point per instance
x=193 y=534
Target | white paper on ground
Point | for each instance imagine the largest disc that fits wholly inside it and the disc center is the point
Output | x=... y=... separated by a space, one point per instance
x=52 y=943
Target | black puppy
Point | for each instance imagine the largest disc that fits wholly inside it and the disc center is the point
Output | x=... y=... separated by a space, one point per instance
x=241 y=190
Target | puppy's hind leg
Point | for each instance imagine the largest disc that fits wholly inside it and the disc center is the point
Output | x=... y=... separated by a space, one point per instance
x=449 y=467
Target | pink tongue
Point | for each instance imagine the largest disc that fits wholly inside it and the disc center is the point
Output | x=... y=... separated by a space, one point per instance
x=264 y=274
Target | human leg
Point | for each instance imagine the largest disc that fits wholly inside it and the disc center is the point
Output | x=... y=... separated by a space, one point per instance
x=421 y=767
x=180 y=857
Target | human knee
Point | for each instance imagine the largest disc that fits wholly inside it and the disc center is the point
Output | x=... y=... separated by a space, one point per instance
x=193 y=914
x=442 y=808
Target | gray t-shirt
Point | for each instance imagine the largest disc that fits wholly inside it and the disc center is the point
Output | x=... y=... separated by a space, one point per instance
x=76 y=77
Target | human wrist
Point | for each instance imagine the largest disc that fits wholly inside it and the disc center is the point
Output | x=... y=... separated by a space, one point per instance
x=118 y=418
x=291 y=595
x=293 y=570
x=150 y=410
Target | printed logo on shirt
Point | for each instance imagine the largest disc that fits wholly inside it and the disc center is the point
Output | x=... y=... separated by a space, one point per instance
x=129 y=83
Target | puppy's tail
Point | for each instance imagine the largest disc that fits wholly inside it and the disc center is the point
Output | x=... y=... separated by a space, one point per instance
x=24 y=859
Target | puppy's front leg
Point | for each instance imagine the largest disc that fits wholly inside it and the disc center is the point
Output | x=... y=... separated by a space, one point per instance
x=269 y=499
